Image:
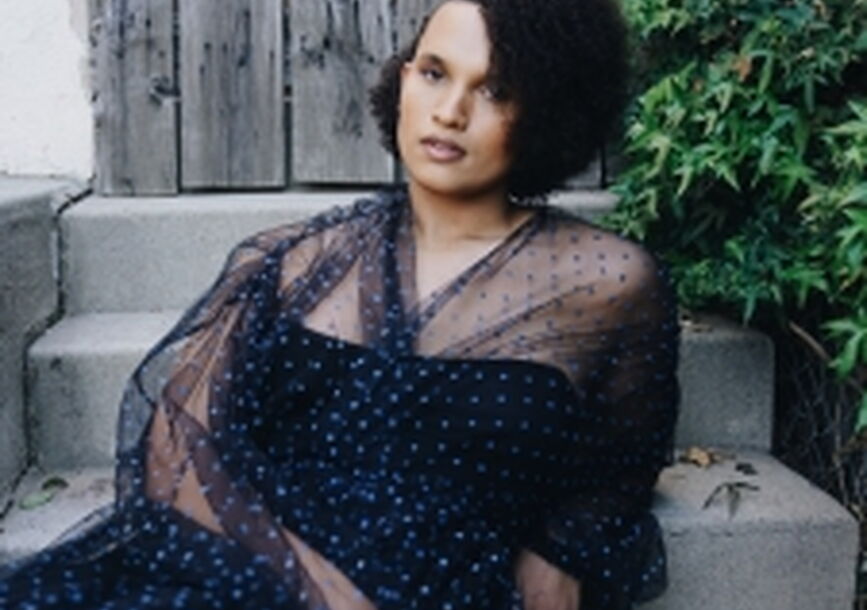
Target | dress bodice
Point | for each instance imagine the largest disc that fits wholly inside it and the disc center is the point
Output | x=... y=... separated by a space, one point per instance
x=407 y=455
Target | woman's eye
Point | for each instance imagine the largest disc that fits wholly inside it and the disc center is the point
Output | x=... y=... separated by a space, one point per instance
x=431 y=74
x=492 y=93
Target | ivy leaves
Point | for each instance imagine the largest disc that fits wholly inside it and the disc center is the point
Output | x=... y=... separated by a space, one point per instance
x=746 y=160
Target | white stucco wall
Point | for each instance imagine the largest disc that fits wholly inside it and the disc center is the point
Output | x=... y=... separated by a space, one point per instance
x=46 y=122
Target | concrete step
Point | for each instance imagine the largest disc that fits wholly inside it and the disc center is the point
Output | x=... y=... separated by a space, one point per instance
x=76 y=373
x=152 y=254
x=78 y=369
x=787 y=546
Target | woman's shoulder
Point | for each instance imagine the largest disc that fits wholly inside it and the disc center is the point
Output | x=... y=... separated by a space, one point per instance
x=607 y=280
x=593 y=254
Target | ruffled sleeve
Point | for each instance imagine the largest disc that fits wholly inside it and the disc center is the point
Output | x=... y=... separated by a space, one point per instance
x=604 y=534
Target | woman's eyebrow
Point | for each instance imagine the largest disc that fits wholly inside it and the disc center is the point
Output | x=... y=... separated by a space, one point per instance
x=432 y=58
x=438 y=61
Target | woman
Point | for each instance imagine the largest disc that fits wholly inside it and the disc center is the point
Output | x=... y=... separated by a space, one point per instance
x=442 y=397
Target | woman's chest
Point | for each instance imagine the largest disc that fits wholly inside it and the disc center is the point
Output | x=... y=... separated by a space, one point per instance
x=366 y=412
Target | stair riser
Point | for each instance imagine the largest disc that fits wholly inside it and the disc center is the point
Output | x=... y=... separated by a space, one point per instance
x=157 y=254
x=727 y=388
x=76 y=387
x=75 y=405
x=799 y=566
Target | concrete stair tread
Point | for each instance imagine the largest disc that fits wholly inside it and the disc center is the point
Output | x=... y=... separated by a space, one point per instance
x=97 y=333
x=109 y=331
x=309 y=200
x=771 y=527
x=25 y=531
x=22 y=191
x=782 y=496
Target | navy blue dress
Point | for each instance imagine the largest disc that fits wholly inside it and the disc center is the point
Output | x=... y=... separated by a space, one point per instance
x=314 y=435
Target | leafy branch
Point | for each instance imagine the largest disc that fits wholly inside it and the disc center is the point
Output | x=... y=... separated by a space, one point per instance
x=746 y=152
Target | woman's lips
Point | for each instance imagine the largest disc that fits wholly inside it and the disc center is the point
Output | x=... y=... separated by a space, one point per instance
x=442 y=150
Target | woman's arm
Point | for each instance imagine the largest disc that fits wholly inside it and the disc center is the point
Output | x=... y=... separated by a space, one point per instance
x=603 y=533
x=197 y=455
x=544 y=586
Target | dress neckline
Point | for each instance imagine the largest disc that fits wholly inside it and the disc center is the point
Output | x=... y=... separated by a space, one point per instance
x=332 y=341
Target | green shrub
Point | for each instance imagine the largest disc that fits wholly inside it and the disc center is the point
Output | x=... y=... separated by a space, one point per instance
x=745 y=153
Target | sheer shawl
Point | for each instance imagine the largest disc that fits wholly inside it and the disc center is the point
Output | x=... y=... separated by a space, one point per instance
x=556 y=291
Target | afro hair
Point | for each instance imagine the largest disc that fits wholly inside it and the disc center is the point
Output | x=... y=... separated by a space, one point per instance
x=563 y=62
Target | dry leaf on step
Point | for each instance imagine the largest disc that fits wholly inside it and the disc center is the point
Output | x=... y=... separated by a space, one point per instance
x=703 y=457
x=44 y=495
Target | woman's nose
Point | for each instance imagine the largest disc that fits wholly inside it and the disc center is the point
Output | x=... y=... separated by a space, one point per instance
x=452 y=109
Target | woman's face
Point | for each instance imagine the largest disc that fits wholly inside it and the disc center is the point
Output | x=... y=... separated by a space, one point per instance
x=452 y=131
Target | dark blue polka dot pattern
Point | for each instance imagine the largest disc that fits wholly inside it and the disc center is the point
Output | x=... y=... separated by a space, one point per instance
x=314 y=434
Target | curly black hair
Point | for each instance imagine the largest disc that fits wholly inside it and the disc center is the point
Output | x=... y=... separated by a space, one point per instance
x=563 y=62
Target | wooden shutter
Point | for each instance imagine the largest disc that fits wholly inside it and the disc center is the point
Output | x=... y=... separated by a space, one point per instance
x=192 y=95
x=135 y=102
x=338 y=47
x=231 y=73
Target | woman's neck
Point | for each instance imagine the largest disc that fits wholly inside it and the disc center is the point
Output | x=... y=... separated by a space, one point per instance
x=441 y=221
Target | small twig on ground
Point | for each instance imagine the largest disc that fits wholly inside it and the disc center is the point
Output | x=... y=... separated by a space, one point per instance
x=732 y=491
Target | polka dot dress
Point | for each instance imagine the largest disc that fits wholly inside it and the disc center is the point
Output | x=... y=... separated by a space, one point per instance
x=314 y=434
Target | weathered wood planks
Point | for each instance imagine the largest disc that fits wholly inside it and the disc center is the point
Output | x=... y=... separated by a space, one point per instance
x=231 y=74
x=240 y=95
x=337 y=49
x=135 y=98
x=408 y=18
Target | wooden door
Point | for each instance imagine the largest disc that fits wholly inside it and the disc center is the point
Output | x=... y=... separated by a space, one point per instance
x=243 y=94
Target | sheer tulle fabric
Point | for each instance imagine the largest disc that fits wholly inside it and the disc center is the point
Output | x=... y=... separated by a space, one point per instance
x=313 y=434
